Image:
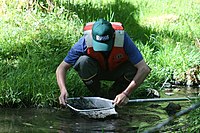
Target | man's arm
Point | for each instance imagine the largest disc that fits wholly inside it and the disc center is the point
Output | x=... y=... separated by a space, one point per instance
x=142 y=73
x=61 y=76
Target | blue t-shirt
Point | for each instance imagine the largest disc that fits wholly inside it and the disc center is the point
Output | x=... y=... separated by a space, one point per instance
x=80 y=49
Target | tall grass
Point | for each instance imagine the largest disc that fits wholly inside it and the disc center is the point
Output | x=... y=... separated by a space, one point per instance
x=32 y=44
x=34 y=41
x=174 y=27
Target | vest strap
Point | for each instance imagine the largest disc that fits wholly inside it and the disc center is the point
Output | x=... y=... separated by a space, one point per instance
x=119 y=38
x=88 y=38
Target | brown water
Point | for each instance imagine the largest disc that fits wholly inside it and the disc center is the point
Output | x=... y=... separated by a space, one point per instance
x=133 y=118
x=63 y=121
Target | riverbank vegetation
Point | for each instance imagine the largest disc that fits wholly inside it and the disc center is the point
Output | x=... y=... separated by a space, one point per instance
x=36 y=35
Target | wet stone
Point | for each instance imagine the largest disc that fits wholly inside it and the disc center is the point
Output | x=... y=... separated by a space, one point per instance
x=172 y=108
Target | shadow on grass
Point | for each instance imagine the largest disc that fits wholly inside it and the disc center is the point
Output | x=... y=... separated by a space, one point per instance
x=119 y=11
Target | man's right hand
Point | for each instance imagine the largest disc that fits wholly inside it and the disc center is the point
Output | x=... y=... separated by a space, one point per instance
x=60 y=76
x=63 y=97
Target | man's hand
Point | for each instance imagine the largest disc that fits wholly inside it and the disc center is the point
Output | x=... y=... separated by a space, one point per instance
x=63 y=97
x=121 y=99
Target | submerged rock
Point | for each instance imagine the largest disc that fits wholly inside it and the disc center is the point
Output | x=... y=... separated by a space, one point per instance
x=172 y=108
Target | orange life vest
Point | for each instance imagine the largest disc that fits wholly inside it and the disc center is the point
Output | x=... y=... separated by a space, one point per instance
x=117 y=55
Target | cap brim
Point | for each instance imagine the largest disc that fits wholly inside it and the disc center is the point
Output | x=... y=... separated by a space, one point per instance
x=99 y=46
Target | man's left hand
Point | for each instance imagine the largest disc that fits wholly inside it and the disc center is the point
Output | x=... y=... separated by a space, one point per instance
x=121 y=99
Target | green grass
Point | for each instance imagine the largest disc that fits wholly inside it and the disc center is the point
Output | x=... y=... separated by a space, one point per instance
x=34 y=42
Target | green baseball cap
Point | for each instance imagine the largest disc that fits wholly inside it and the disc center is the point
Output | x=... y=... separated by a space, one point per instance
x=102 y=34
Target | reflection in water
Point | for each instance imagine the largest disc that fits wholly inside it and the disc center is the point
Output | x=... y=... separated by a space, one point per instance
x=131 y=118
x=63 y=121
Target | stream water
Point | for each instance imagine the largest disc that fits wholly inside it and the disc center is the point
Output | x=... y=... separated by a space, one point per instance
x=133 y=118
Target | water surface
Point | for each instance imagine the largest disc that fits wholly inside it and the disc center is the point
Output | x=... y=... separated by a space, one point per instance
x=132 y=118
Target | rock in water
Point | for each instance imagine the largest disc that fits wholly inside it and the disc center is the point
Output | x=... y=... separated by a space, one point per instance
x=172 y=108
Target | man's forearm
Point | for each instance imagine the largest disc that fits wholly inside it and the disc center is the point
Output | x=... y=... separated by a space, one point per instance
x=61 y=75
x=137 y=80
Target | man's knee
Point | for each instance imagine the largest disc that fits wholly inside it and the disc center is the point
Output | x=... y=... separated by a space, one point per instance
x=86 y=67
x=129 y=75
x=129 y=72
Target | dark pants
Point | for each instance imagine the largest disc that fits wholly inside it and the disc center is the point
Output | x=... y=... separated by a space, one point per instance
x=91 y=74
